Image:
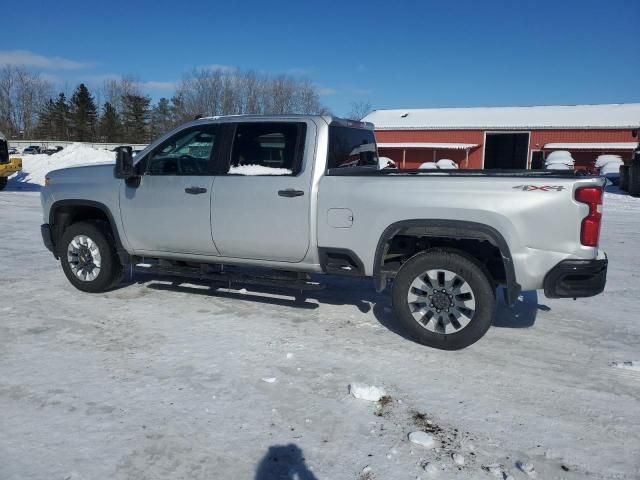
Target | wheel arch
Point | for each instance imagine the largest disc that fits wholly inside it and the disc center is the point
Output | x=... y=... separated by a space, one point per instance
x=66 y=212
x=445 y=230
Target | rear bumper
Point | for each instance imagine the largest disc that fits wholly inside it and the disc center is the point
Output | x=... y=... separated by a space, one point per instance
x=576 y=278
x=47 y=238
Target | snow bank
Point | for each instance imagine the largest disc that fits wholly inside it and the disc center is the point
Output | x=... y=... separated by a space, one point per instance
x=36 y=167
x=428 y=166
x=258 y=170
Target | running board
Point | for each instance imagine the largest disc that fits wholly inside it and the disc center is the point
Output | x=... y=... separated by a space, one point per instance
x=292 y=281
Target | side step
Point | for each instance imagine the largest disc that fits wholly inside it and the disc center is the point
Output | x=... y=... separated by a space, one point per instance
x=293 y=280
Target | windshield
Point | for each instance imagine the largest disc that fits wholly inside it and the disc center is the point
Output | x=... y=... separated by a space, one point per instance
x=352 y=147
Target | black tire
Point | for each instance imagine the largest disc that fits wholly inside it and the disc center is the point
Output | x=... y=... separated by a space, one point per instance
x=482 y=293
x=110 y=272
x=3 y=183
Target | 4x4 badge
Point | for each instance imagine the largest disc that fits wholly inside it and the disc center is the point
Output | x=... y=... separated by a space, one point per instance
x=544 y=188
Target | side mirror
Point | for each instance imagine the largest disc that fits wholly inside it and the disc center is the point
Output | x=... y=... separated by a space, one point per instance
x=124 y=164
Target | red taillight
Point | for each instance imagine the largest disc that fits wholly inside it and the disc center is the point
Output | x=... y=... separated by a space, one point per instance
x=590 y=228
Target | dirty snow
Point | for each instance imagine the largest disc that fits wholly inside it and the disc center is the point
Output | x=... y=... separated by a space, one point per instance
x=121 y=385
x=36 y=167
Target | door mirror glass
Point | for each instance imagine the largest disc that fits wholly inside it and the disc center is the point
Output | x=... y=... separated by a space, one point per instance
x=124 y=164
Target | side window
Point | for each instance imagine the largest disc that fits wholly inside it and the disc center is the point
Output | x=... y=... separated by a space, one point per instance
x=188 y=152
x=351 y=147
x=267 y=148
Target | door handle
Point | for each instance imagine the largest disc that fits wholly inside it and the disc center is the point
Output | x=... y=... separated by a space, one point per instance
x=195 y=190
x=290 y=192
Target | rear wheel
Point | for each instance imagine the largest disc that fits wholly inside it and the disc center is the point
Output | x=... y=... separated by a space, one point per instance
x=89 y=258
x=444 y=299
x=3 y=182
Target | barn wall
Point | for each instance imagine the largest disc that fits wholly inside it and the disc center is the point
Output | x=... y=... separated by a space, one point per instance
x=537 y=140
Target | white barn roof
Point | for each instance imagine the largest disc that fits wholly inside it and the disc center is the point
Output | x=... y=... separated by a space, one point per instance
x=618 y=115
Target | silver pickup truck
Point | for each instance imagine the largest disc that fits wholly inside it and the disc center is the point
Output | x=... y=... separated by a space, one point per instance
x=275 y=199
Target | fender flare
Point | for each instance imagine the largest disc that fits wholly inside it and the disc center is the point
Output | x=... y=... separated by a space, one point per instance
x=459 y=229
x=124 y=256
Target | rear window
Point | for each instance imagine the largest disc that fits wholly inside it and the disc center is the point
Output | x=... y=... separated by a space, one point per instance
x=352 y=147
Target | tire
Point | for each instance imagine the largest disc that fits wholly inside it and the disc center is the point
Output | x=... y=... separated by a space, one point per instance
x=90 y=238
x=3 y=183
x=454 y=319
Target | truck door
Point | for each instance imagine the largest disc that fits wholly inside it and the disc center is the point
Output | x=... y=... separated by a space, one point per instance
x=260 y=206
x=169 y=211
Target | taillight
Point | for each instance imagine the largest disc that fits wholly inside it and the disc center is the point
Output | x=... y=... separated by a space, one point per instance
x=590 y=228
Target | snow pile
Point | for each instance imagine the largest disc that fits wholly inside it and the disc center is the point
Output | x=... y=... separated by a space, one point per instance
x=446 y=164
x=609 y=164
x=559 y=160
x=428 y=166
x=367 y=392
x=386 y=162
x=258 y=170
x=36 y=167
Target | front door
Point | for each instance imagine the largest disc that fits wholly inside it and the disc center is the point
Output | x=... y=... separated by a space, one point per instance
x=260 y=207
x=169 y=211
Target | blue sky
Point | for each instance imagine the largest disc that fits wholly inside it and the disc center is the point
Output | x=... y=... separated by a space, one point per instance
x=394 y=53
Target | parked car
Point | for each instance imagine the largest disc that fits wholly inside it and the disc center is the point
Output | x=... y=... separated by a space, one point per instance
x=13 y=151
x=52 y=150
x=31 y=150
x=8 y=166
x=274 y=199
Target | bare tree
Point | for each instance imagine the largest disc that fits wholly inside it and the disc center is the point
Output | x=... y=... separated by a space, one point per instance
x=23 y=95
x=227 y=92
x=359 y=110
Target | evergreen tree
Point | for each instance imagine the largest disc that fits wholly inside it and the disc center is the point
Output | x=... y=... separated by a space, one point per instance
x=161 y=118
x=61 y=116
x=135 y=118
x=84 y=114
x=110 y=124
x=46 y=128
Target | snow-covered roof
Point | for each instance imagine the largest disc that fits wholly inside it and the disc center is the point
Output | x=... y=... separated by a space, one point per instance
x=593 y=146
x=441 y=146
x=619 y=115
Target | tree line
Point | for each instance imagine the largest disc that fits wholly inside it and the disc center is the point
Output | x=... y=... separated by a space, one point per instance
x=126 y=114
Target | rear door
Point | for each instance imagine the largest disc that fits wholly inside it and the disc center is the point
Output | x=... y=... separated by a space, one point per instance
x=260 y=206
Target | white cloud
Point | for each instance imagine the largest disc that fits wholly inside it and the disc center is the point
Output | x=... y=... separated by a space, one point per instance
x=220 y=67
x=157 y=85
x=30 y=59
x=326 y=90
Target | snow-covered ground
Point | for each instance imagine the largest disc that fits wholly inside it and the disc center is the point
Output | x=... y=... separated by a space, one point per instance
x=164 y=381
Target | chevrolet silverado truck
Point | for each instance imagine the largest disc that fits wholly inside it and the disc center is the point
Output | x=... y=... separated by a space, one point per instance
x=276 y=199
x=8 y=166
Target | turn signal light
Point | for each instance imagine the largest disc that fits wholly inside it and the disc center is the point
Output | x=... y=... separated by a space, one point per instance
x=590 y=227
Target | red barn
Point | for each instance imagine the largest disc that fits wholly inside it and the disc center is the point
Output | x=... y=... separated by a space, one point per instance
x=506 y=137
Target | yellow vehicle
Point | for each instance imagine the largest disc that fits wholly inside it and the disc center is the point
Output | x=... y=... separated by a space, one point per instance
x=8 y=166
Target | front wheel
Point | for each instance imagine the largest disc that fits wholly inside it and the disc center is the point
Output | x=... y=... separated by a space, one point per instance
x=89 y=258
x=444 y=299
